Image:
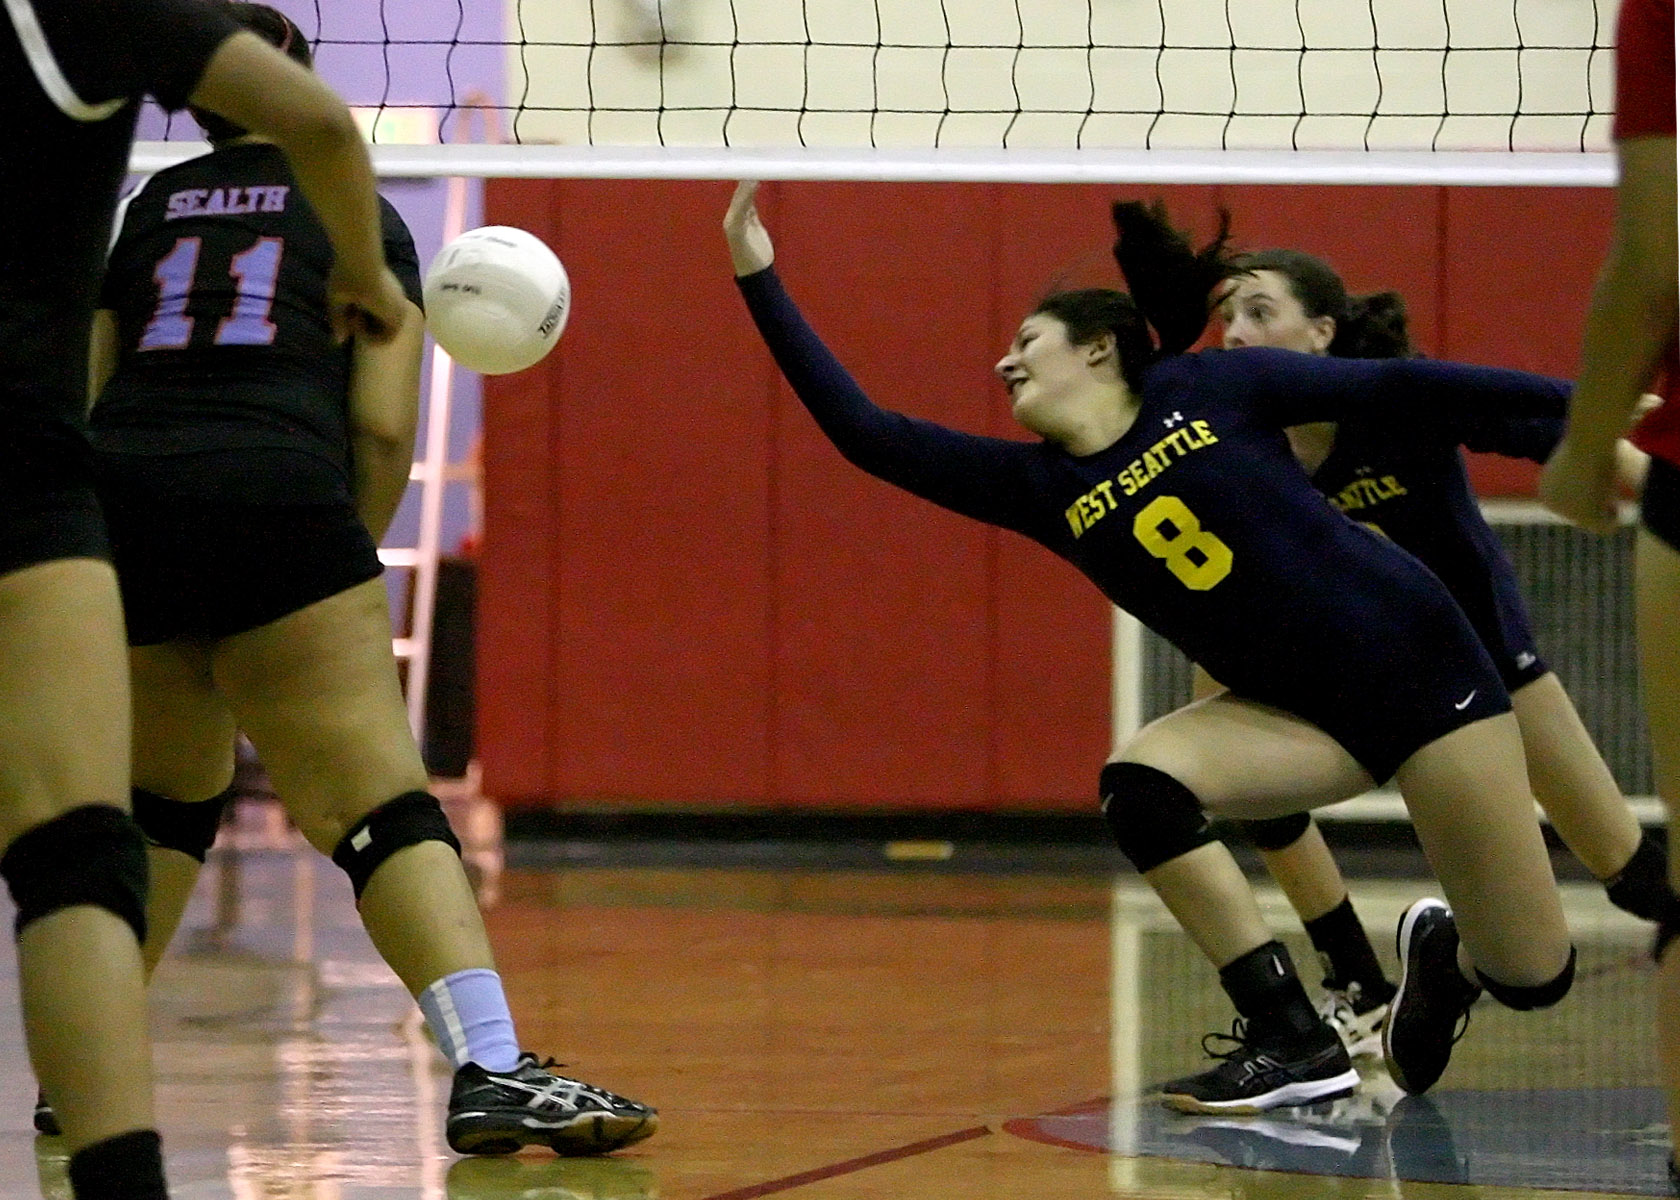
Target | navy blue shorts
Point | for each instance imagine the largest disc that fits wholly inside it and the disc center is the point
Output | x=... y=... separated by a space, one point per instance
x=200 y=568
x=1659 y=506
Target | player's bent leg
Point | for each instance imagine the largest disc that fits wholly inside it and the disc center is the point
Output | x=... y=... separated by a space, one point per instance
x=1470 y=805
x=64 y=734
x=317 y=693
x=1356 y=991
x=1468 y=797
x=1571 y=781
x=183 y=764
x=1281 y=1052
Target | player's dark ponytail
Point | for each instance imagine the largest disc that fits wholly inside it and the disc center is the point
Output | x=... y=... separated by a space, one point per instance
x=1371 y=326
x=1172 y=283
x=274 y=27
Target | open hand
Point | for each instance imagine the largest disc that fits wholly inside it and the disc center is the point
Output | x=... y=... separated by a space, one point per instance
x=750 y=249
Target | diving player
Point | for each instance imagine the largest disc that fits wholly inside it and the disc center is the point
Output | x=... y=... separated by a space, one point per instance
x=72 y=74
x=247 y=464
x=1166 y=478
x=1405 y=478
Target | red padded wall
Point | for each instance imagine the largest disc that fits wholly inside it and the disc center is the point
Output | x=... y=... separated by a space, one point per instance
x=689 y=599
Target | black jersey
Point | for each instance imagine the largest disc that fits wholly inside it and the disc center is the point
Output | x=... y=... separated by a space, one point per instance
x=218 y=280
x=71 y=74
x=1406 y=479
x=1200 y=523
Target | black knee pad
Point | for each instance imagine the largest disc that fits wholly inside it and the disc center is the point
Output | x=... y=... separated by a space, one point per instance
x=1277 y=833
x=1641 y=887
x=1153 y=816
x=177 y=825
x=1525 y=998
x=408 y=820
x=90 y=855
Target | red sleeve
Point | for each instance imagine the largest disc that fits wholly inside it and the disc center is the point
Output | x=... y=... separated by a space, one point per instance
x=1645 y=69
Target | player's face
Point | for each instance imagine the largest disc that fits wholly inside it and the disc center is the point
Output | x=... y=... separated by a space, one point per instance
x=1044 y=373
x=1260 y=310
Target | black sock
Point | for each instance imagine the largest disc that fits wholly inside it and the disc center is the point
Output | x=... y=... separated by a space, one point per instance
x=126 y=1167
x=1641 y=887
x=1269 y=996
x=1347 y=954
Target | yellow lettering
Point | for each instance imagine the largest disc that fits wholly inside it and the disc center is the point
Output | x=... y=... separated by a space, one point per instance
x=1107 y=491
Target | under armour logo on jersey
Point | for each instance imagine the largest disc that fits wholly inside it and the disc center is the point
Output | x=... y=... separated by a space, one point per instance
x=1526 y=660
x=1176 y=419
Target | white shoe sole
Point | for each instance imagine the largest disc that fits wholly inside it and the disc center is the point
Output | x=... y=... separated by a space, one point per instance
x=1306 y=1092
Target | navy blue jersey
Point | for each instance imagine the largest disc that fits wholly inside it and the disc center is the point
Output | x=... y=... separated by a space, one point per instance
x=218 y=280
x=71 y=75
x=1406 y=479
x=1200 y=523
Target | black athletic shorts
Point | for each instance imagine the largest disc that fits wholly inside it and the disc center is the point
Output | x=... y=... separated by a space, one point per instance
x=202 y=566
x=48 y=510
x=1659 y=507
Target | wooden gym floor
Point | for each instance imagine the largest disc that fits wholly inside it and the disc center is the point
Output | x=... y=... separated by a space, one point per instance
x=834 y=1034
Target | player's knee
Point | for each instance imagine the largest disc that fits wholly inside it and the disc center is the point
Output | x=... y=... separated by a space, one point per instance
x=1153 y=816
x=1277 y=833
x=1541 y=996
x=188 y=828
x=407 y=820
x=94 y=855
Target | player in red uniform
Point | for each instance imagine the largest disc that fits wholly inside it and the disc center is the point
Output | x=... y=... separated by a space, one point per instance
x=1630 y=342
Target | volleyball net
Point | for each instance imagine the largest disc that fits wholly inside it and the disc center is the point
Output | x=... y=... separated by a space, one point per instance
x=1140 y=91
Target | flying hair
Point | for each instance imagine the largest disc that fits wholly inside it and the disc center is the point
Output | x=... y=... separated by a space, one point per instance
x=1172 y=283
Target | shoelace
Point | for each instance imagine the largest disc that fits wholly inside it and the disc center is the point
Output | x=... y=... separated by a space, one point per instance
x=570 y=1087
x=1238 y=1037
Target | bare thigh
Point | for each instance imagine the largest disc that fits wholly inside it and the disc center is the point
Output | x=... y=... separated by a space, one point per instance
x=183 y=731
x=1248 y=761
x=1469 y=801
x=317 y=693
x=64 y=700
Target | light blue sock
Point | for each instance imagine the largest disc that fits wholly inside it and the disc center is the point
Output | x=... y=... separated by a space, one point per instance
x=467 y=1013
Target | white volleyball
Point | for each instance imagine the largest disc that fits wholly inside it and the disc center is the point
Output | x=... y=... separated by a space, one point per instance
x=497 y=299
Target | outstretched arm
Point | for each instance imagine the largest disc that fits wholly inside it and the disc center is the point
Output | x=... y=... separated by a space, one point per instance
x=1297 y=388
x=988 y=479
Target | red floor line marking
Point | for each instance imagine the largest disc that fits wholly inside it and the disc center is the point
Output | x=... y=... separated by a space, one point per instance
x=852 y=1164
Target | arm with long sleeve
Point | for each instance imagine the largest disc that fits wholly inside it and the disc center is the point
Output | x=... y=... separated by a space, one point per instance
x=980 y=477
x=1297 y=388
